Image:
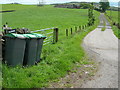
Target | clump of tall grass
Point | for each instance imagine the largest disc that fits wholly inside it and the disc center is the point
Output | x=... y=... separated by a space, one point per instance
x=104 y=27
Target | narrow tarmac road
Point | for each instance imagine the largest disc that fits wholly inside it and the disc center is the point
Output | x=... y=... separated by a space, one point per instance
x=103 y=47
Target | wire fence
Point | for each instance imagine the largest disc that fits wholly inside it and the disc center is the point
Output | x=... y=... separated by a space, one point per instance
x=75 y=29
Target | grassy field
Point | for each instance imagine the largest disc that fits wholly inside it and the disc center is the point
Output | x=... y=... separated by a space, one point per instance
x=113 y=15
x=58 y=58
x=114 y=18
x=34 y=17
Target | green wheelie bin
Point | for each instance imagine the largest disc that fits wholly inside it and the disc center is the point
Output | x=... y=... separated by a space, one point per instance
x=30 y=50
x=40 y=39
x=14 y=49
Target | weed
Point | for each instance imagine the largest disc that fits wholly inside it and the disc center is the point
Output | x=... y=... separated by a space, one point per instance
x=103 y=29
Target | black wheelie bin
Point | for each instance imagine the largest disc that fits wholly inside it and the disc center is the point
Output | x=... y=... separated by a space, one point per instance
x=30 y=50
x=14 y=49
x=40 y=39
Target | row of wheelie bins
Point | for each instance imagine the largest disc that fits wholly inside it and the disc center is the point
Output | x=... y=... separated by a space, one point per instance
x=23 y=49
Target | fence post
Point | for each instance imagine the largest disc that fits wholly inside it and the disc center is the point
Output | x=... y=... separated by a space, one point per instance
x=75 y=29
x=79 y=28
x=71 y=31
x=66 y=32
x=83 y=27
x=55 y=35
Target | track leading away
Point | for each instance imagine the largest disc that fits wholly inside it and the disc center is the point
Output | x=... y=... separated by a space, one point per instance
x=103 y=47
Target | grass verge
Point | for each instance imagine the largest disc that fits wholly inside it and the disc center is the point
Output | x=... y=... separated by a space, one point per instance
x=57 y=60
x=114 y=28
x=77 y=76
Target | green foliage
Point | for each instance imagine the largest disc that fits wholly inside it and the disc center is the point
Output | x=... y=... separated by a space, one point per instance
x=91 y=15
x=103 y=29
x=58 y=58
x=104 y=5
x=85 y=5
x=116 y=31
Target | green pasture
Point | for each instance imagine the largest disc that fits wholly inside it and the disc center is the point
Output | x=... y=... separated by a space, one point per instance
x=34 y=17
x=113 y=15
x=114 y=18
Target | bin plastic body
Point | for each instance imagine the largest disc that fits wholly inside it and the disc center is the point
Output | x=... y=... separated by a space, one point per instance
x=30 y=50
x=39 y=49
x=14 y=49
x=39 y=45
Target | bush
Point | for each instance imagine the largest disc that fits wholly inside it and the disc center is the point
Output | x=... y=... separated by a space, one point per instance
x=85 y=5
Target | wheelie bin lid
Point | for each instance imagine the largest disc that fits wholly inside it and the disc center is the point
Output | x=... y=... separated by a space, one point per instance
x=29 y=36
x=39 y=35
x=13 y=35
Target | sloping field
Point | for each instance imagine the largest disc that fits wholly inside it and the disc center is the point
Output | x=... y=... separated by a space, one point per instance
x=113 y=15
x=115 y=19
x=35 y=17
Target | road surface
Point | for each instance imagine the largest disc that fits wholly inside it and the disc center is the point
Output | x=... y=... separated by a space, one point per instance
x=103 y=47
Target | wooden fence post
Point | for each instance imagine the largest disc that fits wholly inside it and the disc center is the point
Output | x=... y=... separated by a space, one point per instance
x=75 y=29
x=55 y=35
x=66 y=32
x=71 y=31
x=83 y=27
x=79 y=28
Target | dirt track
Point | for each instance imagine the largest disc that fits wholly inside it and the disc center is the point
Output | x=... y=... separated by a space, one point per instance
x=103 y=47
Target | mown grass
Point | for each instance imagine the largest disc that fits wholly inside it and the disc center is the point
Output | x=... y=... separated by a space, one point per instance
x=115 y=19
x=58 y=58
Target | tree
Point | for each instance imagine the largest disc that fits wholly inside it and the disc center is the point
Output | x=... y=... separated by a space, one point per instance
x=91 y=18
x=84 y=5
x=104 y=5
